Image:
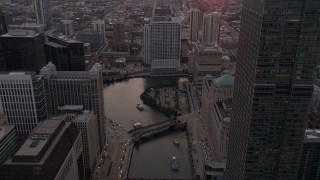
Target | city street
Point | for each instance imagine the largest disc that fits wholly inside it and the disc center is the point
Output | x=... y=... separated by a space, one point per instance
x=113 y=162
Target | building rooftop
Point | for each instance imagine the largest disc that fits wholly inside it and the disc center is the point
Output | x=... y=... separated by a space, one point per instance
x=83 y=117
x=21 y=33
x=39 y=138
x=226 y=79
x=56 y=45
x=71 y=108
x=40 y=144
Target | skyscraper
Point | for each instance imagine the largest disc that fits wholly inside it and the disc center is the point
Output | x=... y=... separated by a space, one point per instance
x=278 y=53
x=100 y=26
x=52 y=151
x=118 y=34
x=76 y=88
x=5 y=19
x=162 y=45
x=194 y=24
x=66 y=54
x=211 y=28
x=86 y=122
x=66 y=27
x=22 y=50
x=22 y=100
x=310 y=157
x=207 y=61
x=43 y=12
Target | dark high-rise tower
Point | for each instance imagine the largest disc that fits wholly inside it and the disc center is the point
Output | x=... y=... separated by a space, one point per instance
x=22 y=50
x=278 y=53
x=67 y=55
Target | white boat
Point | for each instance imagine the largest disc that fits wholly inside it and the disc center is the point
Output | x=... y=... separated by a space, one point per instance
x=140 y=107
x=137 y=125
x=174 y=163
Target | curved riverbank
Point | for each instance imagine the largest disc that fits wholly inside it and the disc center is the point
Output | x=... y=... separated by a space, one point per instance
x=155 y=104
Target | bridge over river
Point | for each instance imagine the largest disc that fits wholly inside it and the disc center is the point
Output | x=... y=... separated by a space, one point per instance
x=137 y=133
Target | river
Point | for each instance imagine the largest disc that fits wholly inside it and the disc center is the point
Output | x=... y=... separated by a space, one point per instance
x=151 y=159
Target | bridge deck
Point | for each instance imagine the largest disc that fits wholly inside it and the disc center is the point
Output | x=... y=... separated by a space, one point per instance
x=152 y=127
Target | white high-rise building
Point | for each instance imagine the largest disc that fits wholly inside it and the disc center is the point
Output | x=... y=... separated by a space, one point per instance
x=22 y=101
x=76 y=88
x=43 y=12
x=162 y=45
x=211 y=28
x=100 y=26
x=86 y=122
x=194 y=24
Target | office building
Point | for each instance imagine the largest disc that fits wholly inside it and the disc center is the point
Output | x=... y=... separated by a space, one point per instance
x=310 y=158
x=43 y=12
x=66 y=27
x=22 y=101
x=118 y=34
x=66 y=54
x=164 y=45
x=8 y=142
x=211 y=28
x=95 y=38
x=5 y=20
x=86 y=122
x=52 y=151
x=216 y=112
x=100 y=26
x=22 y=50
x=278 y=54
x=207 y=61
x=76 y=88
x=194 y=24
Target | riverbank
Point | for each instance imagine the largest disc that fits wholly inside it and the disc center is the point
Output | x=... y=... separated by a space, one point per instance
x=150 y=98
x=120 y=99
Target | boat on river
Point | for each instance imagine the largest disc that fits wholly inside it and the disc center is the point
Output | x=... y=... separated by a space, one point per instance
x=174 y=163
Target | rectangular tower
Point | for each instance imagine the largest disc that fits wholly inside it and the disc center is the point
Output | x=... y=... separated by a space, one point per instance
x=211 y=28
x=194 y=24
x=43 y=12
x=278 y=54
x=22 y=100
x=310 y=157
x=163 y=45
x=118 y=34
x=22 y=50
x=66 y=54
x=76 y=88
x=52 y=151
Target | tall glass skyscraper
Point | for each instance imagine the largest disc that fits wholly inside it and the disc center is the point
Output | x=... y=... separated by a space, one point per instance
x=43 y=12
x=278 y=52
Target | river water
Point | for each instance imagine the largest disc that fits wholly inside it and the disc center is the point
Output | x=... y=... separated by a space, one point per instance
x=151 y=159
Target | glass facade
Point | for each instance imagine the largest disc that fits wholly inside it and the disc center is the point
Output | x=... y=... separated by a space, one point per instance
x=278 y=53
